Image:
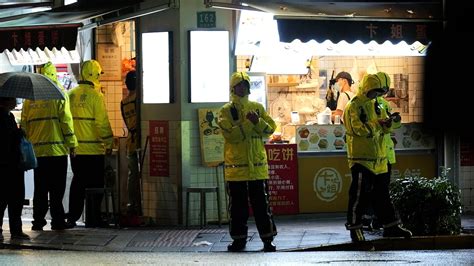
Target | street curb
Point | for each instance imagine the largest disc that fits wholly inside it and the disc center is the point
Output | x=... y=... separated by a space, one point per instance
x=387 y=244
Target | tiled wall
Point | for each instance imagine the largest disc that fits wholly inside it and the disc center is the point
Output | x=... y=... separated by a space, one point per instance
x=115 y=91
x=466 y=184
x=410 y=109
x=161 y=193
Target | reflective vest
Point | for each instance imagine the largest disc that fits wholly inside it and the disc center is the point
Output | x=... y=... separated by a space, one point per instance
x=49 y=126
x=128 y=107
x=91 y=123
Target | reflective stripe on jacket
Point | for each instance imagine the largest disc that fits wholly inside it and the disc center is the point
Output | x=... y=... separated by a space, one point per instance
x=389 y=145
x=49 y=126
x=245 y=155
x=364 y=134
x=91 y=122
x=128 y=107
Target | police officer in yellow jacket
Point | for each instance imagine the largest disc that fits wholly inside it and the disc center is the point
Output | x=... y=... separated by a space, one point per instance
x=244 y=124
x=95 y=137
x=366 y=127
x=48 y=125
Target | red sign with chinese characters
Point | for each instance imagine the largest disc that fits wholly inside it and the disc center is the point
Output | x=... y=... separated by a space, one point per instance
x=41 y=36
x=159 y=148
x=283 y=183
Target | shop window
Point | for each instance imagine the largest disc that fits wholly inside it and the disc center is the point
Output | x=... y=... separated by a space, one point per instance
x=209 y=66
x=157 y=67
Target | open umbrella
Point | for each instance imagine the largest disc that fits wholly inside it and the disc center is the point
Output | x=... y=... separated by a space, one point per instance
x=28 y=85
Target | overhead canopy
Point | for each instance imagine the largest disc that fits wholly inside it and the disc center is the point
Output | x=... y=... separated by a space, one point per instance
x=352 y=30
x=369 y=20
x=50 y=29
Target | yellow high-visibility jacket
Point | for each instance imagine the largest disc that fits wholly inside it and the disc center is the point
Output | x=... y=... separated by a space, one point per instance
x=91 y=122
x=49 y=126
x=244 y=151
x=364 y=134
x=389 y=145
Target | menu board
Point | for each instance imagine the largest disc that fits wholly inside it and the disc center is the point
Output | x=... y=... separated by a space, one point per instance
x=283 y=183
x=212 y=141
x=332 y=138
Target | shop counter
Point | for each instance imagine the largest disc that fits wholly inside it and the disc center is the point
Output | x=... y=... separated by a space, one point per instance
x=323 y=173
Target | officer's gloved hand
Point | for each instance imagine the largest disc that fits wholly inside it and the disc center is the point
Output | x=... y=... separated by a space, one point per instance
x=396 y=117
x=253 y=117
x=386 y=123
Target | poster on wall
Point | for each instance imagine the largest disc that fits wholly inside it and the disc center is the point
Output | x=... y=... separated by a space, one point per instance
x=109 y=57
x=212 y=141
x=159 y=148
x=283 y=182
x=258 y=88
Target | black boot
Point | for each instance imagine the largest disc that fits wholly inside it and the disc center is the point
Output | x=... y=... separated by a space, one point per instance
x=237 y=245
x=268 y=246
x=357 y=235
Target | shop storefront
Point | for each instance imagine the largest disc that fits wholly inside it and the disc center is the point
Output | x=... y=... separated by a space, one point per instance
x=296 y=79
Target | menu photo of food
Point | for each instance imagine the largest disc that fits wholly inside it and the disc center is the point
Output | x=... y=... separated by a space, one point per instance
x=411 y=136
x=320 y=138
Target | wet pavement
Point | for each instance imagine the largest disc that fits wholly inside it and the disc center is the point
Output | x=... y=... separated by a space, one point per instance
x=295 y=233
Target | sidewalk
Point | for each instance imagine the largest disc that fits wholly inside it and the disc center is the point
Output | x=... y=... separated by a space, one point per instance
x=295 y=233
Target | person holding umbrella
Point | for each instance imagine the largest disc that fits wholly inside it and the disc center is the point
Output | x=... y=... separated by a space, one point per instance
x=12 y=190
x=48 y=125
x=95 y=137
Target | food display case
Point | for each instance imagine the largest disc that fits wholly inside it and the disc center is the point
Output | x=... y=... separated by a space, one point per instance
x=327 y=138
x=324 y=176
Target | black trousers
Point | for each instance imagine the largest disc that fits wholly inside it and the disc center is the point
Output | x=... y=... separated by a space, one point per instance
x=239 y=194
x=367 y=188
x=12 y=194
x=88 y=173
x=50 y=178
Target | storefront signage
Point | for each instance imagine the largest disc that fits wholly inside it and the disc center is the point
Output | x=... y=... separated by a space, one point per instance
x=327 y=184
x=283 y=183
x=109 y=57
x=206 y=19
x=324 y=181
x=212 y=141
x=42 y=37
x=159 y=148
x=351 y=31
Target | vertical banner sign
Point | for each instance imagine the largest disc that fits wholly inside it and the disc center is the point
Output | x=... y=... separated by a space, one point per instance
x=212 y=141
x=283 y=183
x=159 y=148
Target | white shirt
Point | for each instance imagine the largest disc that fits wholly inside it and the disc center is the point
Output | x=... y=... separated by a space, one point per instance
x=343 y=100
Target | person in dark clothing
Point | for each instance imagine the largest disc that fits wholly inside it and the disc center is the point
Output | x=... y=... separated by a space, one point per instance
x=12 y=190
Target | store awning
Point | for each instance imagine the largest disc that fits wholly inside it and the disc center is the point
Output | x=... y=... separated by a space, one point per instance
x=350 y=21
x=350 y=31
x=50 y=29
